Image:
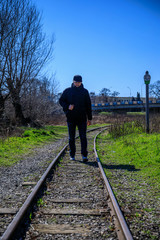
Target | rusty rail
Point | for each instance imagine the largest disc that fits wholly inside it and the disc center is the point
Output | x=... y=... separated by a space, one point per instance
x=8 y=234
x=126 y=234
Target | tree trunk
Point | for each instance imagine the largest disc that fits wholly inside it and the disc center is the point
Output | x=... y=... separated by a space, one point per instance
x=18 y=110
x=2 y=101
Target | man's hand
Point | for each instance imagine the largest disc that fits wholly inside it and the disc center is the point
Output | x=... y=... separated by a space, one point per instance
x=71 y=106
x=88 y=122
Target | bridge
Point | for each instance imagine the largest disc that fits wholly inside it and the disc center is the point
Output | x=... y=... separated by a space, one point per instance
x=126 y=106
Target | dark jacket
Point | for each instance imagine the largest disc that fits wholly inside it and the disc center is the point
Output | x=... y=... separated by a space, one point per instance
x=78 y=96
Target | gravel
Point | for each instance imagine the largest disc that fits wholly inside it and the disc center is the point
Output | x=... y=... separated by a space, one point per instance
x=139 y=203
x=30 y=168
x=75 y=180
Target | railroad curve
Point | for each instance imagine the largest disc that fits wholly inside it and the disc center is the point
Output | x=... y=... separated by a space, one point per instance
x=75 y=202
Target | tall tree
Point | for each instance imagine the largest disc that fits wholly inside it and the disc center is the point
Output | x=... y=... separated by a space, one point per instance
x=25 y=52
x=155 y=89
x=7 y=17
x=105 y=92
x=115 y=94
x=39 y=100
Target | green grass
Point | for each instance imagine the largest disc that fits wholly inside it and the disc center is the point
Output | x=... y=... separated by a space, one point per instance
x=136 y=113
x=105 y=113
x=131 y=162
x=13 y=148
x=139 y=150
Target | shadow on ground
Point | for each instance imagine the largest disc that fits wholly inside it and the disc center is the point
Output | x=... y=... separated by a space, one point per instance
x=121 y=167
x=127 y=167
x=92 y=164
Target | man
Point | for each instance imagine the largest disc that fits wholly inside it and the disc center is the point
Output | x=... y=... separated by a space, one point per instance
x=76 y=104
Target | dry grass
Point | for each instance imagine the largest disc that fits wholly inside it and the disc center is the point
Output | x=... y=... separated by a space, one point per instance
x=120 y=119
x=97 y=119
x=114 y=119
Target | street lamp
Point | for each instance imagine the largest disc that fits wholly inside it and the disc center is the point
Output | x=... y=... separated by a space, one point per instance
x=147 y=79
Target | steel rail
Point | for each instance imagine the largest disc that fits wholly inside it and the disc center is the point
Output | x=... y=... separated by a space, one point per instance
x=8 y=234
x=122 y=222
x=22 y=211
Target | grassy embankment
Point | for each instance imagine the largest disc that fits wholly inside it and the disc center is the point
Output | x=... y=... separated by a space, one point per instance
x=128 y=145
x=131 y=160
x=12 y=148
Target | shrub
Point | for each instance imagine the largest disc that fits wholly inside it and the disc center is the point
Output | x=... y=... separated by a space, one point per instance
x=118 y=130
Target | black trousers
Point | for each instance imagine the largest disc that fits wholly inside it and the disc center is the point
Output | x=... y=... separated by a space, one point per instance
x=82 y=127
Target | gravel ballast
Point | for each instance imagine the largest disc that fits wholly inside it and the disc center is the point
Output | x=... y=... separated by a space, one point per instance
x=29 y=169
x=74 y=180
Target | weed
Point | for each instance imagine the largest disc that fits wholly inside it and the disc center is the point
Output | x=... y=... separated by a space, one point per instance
x=148 y=209
x=40 y=202
x=138 y=214
x=123 y=129
x=30 y=216
x=53 y=220
x=111 y=228
x=47 y=193
x=153 y=237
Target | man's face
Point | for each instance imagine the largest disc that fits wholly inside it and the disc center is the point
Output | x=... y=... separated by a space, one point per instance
x=77 y=84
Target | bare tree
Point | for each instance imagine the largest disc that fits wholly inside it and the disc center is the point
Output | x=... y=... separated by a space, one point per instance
x=39 y=100
x=115 y=94
x=104 y=94
x=25 y=52
x=7 y=18
x=155 y=89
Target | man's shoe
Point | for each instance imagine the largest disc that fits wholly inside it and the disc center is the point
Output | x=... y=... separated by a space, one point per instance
x=72 y=158
x=85 y=159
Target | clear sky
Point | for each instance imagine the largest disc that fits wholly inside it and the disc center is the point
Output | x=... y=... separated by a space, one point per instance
x=111 y=43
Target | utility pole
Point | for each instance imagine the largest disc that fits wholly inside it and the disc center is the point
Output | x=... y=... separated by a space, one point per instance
x=147 y=79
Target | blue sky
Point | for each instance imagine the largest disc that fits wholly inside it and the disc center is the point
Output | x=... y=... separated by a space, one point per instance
x=110 y=43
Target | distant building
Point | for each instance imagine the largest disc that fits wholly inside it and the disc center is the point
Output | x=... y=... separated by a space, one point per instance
x=104 y=99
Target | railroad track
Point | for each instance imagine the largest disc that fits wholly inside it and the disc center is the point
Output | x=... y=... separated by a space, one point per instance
x=74 y=202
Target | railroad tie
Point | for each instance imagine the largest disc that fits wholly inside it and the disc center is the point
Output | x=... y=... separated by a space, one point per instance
x=62 y=229
x=63 y=211
x=75 y=202
x=11 y=211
